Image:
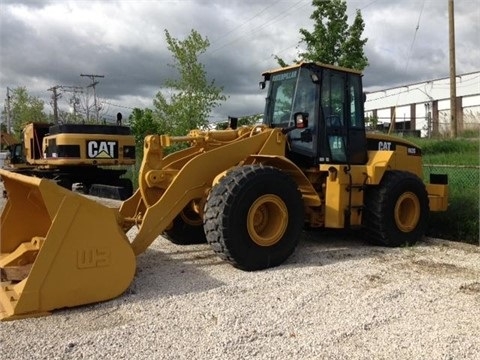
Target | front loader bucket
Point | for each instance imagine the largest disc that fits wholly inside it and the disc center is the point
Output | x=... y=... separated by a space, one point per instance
x=58 y=249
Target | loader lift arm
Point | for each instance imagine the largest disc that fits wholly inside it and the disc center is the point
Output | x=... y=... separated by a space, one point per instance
x=168 y=184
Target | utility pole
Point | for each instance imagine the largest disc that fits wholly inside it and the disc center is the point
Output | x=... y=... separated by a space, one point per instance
x=55 y=97
x=453 y=81
x=92 y=85
x=8 y=111
x=74 y=101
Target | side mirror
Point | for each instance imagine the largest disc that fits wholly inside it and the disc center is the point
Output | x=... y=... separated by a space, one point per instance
x=301 y=120
x=233 y=122
x=261 y=85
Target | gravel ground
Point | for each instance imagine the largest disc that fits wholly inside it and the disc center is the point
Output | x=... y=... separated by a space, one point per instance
x=335 y=298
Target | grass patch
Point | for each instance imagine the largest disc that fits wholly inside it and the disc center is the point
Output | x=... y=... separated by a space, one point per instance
x=459 y=222
x=448 y=146
x=462 y=157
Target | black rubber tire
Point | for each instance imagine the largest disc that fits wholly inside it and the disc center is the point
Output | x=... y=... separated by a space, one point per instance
x=85 y=189
x=65 y=182
x=396 y=211
x=266 y=195
x=185 y=231
x=127 y=185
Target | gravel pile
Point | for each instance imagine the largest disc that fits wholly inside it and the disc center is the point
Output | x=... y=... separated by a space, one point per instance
x=335 y=298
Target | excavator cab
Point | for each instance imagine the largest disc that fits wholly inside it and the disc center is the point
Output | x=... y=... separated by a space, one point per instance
x=16 y=154
x=332 y=101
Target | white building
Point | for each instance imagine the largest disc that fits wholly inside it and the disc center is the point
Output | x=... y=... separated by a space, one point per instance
x=425 y=106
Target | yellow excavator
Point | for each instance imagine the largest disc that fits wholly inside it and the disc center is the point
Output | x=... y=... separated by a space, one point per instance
x=93 y=155
x=247 y=191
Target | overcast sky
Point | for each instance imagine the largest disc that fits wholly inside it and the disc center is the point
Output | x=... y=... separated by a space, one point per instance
x=46 y=43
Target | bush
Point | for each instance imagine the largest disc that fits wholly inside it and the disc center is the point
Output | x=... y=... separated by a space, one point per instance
x=459 y=223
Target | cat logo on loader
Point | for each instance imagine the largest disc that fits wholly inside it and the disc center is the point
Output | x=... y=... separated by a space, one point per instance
x=247 y=191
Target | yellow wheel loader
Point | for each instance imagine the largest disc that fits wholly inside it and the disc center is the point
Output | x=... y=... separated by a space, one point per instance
x=247 y=191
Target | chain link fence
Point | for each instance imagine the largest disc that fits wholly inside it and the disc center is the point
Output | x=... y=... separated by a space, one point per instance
x=461 y=220
x=461 y=178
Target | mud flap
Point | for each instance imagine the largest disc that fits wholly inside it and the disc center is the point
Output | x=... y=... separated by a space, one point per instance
x=58 y=249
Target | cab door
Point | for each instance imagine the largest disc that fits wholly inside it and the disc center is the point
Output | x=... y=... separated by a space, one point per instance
x=342 y=118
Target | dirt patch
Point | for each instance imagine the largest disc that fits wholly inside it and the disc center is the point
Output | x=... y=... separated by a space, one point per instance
x=471 y=288
x=440 y=268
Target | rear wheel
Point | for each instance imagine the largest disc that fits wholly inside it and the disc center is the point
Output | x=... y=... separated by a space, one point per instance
x=187 y=228
x=65 y=182
x=396 y=211
x=253 y=217
x=85 y=187
x=127 y=186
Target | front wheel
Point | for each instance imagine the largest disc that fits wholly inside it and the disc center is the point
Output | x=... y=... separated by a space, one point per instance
x=186 y=228
x=396 y=211
x=253 y=217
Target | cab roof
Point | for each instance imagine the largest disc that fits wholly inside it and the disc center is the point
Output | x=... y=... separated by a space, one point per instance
x=317 y=64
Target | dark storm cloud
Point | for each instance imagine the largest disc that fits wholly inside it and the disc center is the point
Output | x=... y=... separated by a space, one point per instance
x=15 y=51
x=27 y=3
x=47 y=43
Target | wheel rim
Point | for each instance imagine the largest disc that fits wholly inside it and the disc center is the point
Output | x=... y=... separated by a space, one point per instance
x=267 y=220
x=407 y=212
x=190 y=217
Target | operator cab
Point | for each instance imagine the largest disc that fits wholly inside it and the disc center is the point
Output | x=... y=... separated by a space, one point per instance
x=16 y=154
x=330 y=101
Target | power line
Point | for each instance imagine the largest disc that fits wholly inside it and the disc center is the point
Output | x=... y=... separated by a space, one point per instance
x=392 y=123
x=244 y=23
x=298 y=43
x=74 y=100
x=255 y=30
x=415 y=35
x=373 y=2
x=119 y=106
x=92 y=85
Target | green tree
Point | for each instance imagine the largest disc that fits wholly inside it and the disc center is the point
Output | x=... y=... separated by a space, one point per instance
x=142 y=124
x=242 y=121
x=191 y=97
x=352 y=55
x=332 y=40
x=25 y=109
